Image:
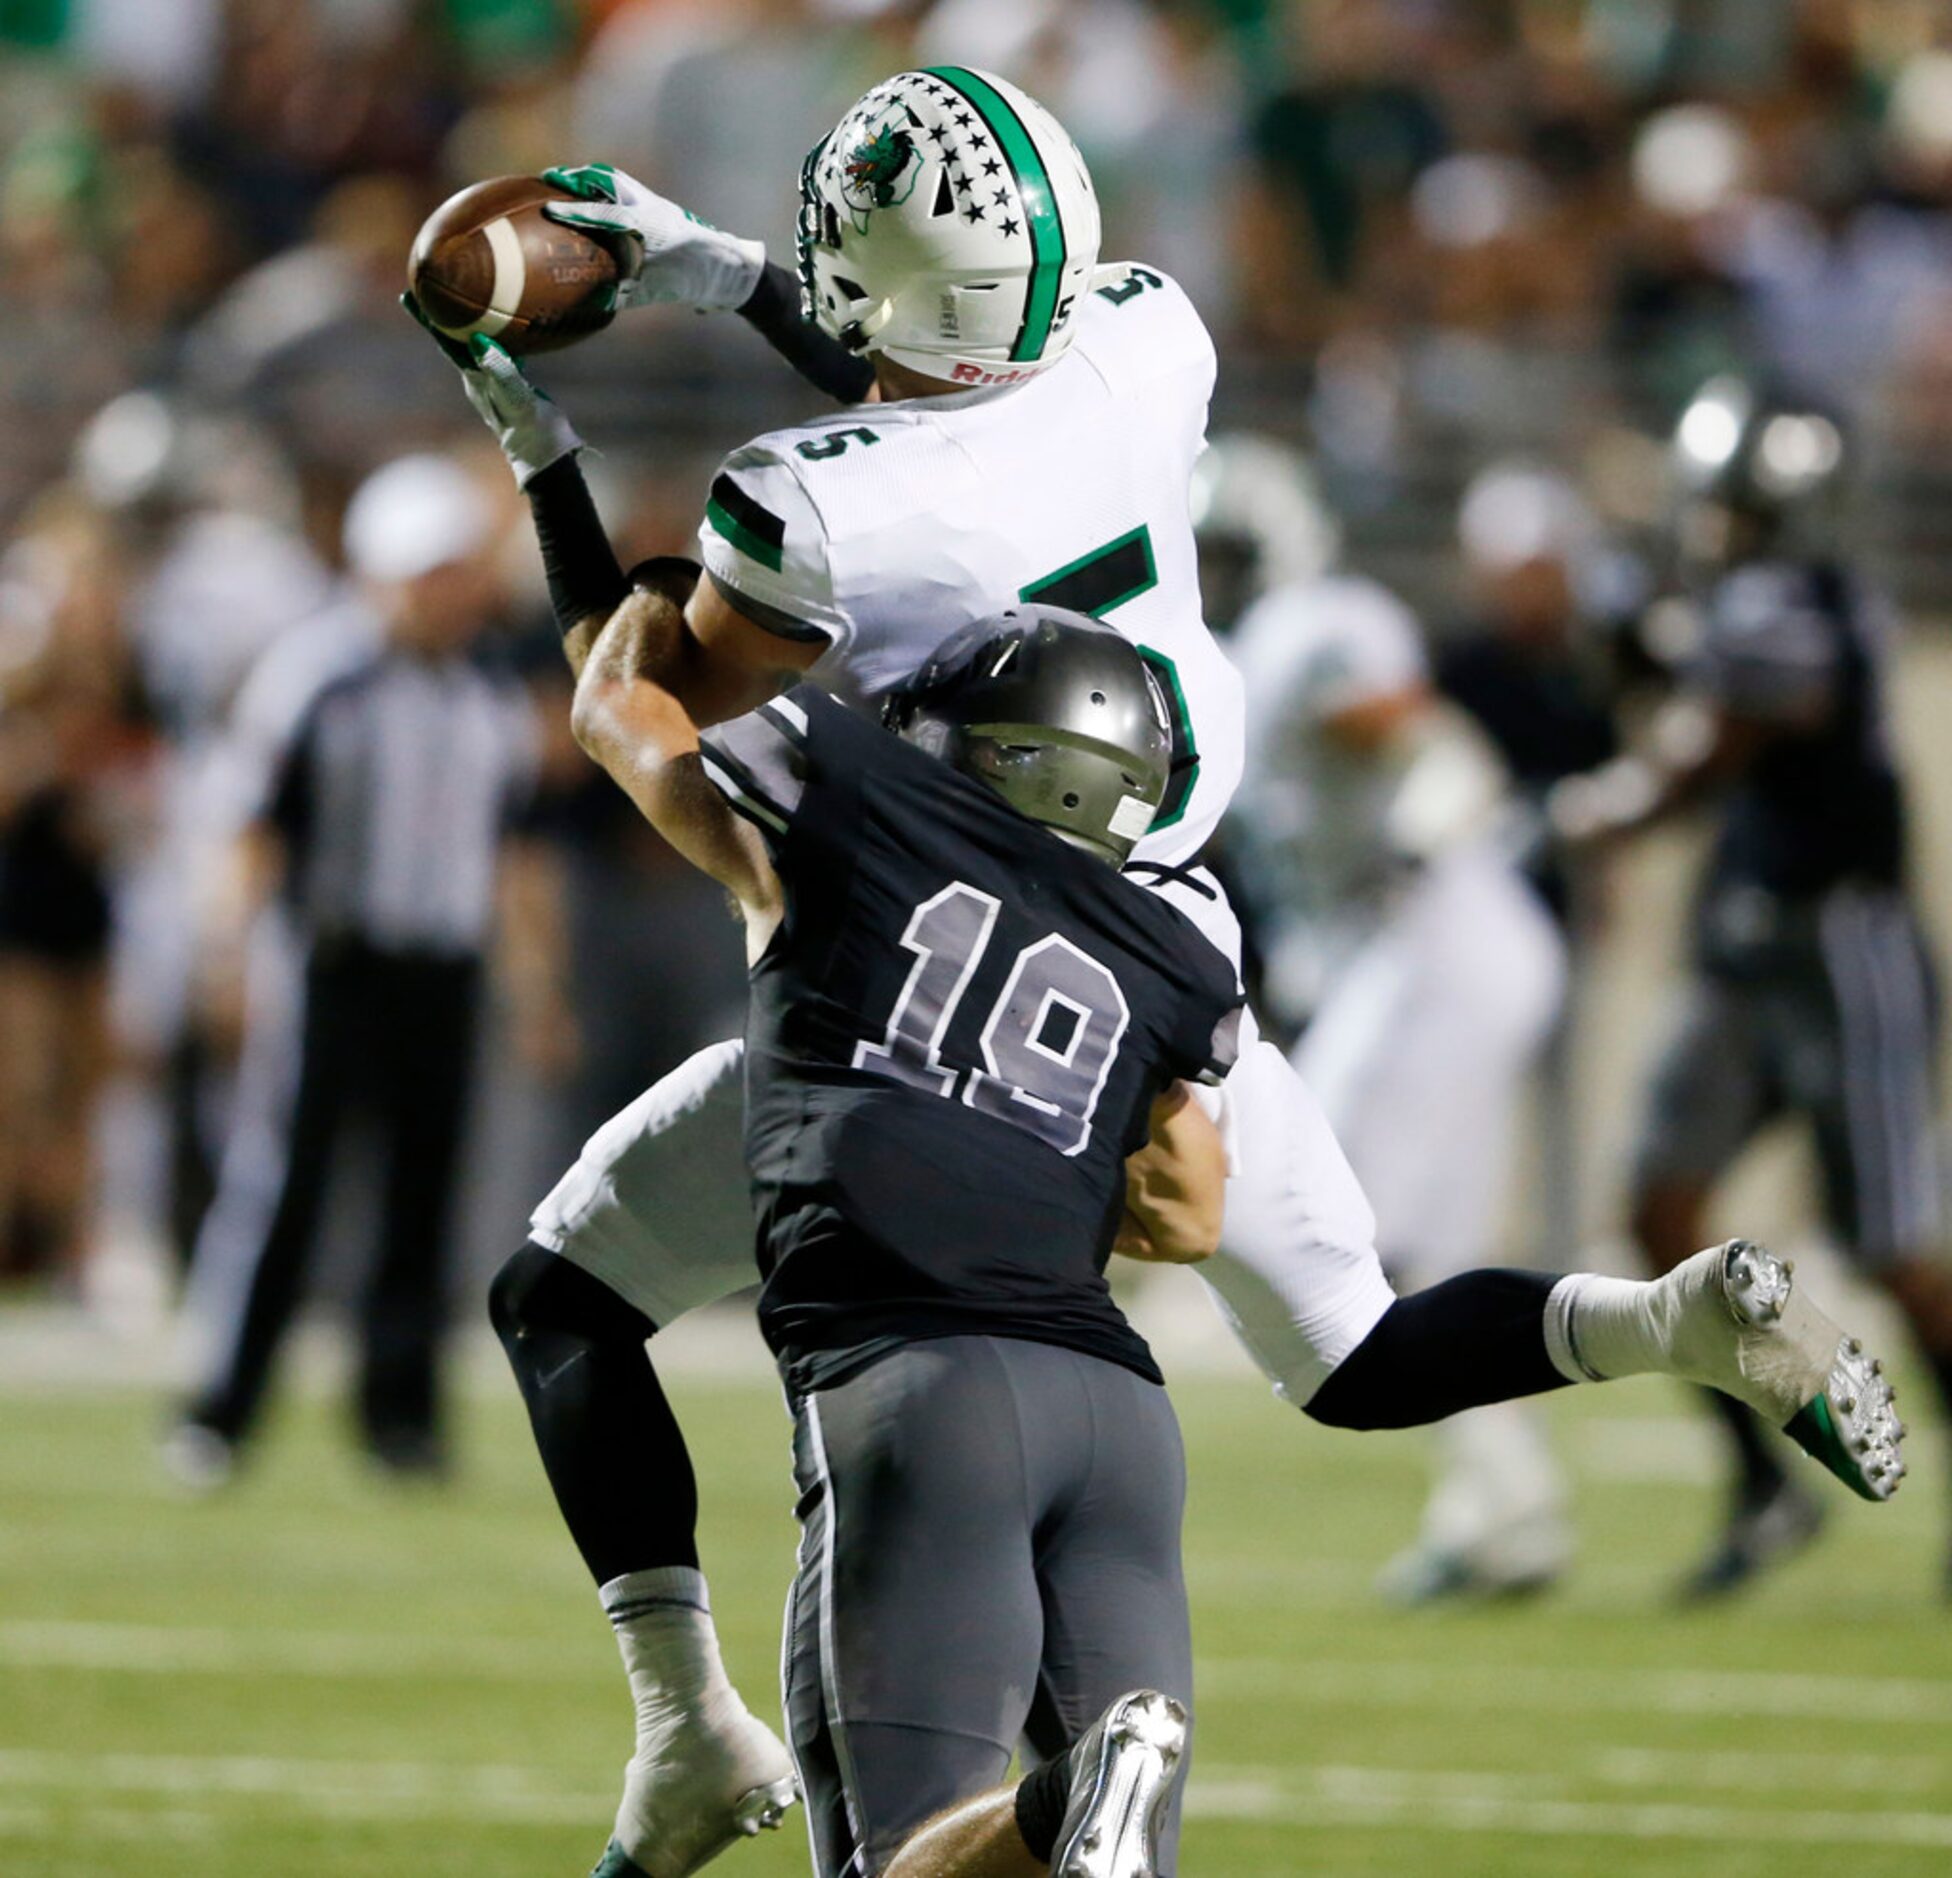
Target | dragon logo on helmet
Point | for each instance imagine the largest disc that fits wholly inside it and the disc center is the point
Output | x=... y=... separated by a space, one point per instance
x=880 y=172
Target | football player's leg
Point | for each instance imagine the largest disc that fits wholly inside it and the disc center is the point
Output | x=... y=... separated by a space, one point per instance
x=652 y=1221
x=1709 y=1093
x=1115 y=1622
x=249 y=1267
x=915 y=1625
x=1875 y=1116
x=1296 y=1275
x=425 y=1077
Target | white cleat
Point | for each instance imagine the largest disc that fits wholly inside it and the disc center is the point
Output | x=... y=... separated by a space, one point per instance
x=1788 y=1361
x=707 y=1788
x=1125 y=1770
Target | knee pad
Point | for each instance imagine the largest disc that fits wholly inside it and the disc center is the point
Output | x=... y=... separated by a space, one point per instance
x=536 y=1291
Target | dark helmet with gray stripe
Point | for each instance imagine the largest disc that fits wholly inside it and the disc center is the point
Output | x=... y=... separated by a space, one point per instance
x=1059 y=715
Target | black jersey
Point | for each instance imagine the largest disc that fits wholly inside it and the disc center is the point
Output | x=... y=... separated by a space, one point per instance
x=1799 y=648
x=954 y=1042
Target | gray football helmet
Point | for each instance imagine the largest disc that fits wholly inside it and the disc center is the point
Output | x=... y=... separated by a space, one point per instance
x=1061 y=716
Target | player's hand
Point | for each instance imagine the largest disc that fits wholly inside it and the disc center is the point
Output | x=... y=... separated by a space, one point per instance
x=527 y=422
x=680 y=260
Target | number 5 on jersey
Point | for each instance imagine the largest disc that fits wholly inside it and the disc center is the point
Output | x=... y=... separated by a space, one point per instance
x=1050 y=1039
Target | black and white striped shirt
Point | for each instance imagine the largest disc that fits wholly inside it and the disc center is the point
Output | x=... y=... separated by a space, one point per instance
x=392 y=779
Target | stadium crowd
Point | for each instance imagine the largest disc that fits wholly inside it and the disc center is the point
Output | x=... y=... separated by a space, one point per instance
x=1430 y=235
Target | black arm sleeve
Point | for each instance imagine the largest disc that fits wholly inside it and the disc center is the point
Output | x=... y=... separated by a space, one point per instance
x=577 y=558
x=774 y=313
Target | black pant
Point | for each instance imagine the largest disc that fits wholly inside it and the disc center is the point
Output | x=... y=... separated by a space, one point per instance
x=389 y=1037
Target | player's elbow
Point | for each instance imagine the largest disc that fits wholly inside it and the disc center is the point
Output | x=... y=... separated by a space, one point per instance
x=594 y=710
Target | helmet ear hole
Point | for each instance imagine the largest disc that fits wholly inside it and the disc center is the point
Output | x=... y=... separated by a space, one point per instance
x=852 y=288
x=1071 y=798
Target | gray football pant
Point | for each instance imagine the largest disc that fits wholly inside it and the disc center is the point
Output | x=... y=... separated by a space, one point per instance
x=989 y=1555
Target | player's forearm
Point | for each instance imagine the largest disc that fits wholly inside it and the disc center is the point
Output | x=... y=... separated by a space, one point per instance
x=636 y=727
x=586 y=581
x=1692 y=750
x=773 y=312
x=1175 y=1186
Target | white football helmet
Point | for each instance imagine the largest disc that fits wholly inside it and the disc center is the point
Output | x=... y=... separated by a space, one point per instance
x=949 y=222
x=1264 y=493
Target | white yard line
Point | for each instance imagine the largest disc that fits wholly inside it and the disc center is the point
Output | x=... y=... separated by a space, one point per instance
x=1372 y=1798
x=161 y=1649
x=1441 y=1685
x=1437 y=1800
x=164 y=1649
x=336 y=1789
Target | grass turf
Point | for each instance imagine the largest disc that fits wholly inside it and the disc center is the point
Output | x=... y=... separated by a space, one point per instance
x=322 y=1676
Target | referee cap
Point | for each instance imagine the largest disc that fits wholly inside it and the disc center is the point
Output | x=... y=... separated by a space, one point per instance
x=414 y=515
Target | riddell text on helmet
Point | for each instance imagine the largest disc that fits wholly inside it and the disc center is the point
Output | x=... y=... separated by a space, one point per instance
x=966 y=374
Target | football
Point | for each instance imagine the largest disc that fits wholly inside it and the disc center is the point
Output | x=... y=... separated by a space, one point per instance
x=489 y=261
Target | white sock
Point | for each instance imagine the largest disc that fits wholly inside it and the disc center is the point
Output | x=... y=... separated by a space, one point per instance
x=698 y=1747
x=1599 y=1328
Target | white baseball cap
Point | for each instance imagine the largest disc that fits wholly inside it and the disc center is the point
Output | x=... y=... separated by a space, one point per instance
x=1515 y=512
x=414 y=515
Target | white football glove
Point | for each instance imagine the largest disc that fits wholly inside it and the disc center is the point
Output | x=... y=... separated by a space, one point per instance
x=528 y=424
x=679 y=259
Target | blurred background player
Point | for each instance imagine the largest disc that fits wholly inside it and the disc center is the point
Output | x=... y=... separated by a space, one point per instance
x=1529 y=659
x=71 y=748
x=1811 y=990
x=1397 y=935
x=379 y=772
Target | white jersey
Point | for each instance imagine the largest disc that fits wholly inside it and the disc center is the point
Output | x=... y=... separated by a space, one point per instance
x=885 y=528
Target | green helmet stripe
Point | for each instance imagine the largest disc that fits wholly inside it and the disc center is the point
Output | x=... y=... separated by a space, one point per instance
x=1039 y=200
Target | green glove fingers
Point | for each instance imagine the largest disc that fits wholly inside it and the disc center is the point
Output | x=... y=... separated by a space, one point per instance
x=593 y=182
x=457 y=353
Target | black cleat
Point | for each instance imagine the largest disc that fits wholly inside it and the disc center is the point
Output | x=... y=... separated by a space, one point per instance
x=1762 y=1532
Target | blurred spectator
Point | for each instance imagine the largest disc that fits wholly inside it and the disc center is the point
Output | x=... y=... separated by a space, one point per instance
x=379 y=769
x=68 y=741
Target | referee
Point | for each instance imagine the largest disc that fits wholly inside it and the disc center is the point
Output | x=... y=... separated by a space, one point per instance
x=377 y=770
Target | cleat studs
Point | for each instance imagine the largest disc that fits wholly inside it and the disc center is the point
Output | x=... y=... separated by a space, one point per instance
x=1847 y=1405
x=1853 y=1346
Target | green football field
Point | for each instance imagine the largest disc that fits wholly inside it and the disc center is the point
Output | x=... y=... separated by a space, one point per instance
x=319 y=1674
